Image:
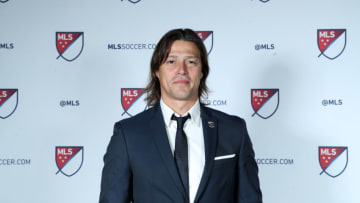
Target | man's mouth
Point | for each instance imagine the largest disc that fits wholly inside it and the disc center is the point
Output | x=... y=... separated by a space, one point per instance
x=181 y=81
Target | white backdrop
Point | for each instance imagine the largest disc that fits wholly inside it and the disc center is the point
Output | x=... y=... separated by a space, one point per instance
x=255 y=45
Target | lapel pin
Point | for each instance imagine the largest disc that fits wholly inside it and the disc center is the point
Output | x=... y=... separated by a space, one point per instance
x=211 y=124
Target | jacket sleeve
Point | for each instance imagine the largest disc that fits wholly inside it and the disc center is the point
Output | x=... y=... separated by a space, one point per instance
x=248 y=180
x=116 y=180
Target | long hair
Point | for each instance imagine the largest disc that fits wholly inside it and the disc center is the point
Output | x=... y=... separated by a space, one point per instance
x=160 y=55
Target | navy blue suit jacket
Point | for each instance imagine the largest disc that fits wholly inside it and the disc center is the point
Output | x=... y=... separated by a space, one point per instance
x=139 y=166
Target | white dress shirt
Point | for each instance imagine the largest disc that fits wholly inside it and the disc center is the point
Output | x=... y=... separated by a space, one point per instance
x=195 y=139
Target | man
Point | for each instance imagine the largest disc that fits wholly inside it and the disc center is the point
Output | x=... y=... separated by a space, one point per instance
x=180 y=151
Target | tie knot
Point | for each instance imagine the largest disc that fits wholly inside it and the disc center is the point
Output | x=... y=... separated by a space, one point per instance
x=180 y=120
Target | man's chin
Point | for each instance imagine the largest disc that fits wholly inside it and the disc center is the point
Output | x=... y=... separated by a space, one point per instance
x=182 y=97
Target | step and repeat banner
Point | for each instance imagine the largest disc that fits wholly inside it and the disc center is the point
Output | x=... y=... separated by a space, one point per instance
x=70 y=69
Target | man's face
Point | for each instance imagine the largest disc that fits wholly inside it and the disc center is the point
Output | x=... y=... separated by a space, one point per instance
x=180 y=74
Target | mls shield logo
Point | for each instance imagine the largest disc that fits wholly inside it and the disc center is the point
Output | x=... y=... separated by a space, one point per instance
x=333 y=160
x=265 y=102
x=69 y=44
x=69 y=159
x=332 y=42
x=207 y=38
x=8 y=102
x=132 y=101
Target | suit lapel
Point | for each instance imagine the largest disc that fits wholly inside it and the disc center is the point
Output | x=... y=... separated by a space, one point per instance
x=162 y=142
x=210 y=128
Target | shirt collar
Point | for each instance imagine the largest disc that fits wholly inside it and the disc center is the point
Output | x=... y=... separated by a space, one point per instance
x=194 y=112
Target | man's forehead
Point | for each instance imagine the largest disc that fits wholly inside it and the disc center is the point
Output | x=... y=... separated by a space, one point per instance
x=175 y=55
x=184 y=47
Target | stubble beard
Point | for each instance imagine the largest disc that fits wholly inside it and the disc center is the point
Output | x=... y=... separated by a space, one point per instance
x=183 y=93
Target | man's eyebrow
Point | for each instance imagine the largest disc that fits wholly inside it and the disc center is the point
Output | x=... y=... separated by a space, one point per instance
x=192 y=56
x=174 y=56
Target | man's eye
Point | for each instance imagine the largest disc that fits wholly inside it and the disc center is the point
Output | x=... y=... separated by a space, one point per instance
x=192 y=62
x=171 y=62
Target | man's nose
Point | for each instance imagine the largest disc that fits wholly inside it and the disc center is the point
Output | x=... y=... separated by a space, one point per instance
x=182 y=69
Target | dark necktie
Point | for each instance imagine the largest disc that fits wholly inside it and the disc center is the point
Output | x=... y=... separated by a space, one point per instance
x=181 y=151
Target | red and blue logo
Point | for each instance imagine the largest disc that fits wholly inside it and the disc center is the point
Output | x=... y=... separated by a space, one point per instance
x=69 y=159
x=69 y=45
x=265 y=102
x=132 y=101
x=8 y=102
x=331 y=42
x=333 y=160
x=207 y=38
